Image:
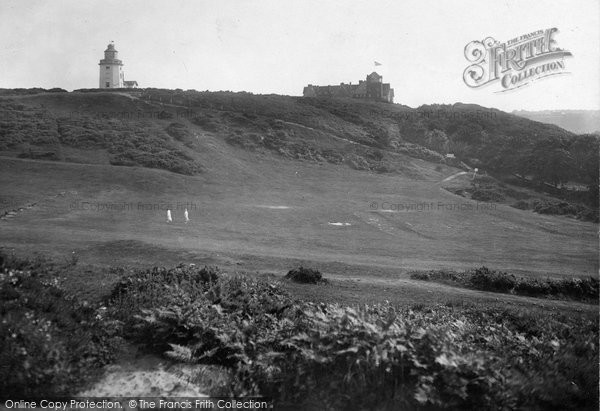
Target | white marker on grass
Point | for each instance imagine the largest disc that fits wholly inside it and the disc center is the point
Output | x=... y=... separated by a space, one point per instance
x=169 y=219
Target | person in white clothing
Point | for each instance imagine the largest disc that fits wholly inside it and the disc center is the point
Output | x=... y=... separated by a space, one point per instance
x=186 y=215
x=169 y=219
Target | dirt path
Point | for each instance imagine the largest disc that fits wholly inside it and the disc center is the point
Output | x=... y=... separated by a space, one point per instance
x=453 y=176
x=136 y=375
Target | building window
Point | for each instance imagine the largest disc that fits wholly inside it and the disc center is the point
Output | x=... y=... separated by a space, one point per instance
x=107 y=67
x=107 y=84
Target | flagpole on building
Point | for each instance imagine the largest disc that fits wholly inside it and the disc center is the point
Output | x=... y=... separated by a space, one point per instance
x=377 y=66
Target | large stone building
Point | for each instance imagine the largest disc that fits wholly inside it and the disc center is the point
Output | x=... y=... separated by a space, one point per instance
x=111 y=70
x=371 y=89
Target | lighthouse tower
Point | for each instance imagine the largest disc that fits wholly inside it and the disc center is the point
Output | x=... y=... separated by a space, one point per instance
x=111 y=69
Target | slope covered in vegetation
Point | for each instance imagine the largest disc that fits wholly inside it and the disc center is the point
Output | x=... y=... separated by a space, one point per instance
x=168 y=128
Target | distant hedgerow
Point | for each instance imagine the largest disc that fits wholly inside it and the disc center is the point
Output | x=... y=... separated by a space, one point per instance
x=586 y=289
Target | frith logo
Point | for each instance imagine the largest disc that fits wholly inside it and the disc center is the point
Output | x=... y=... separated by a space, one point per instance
x=514 y=63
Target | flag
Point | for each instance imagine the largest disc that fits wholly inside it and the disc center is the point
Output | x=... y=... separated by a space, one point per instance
x=377 y=64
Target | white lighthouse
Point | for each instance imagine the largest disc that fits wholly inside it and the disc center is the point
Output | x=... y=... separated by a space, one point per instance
x=111 y=69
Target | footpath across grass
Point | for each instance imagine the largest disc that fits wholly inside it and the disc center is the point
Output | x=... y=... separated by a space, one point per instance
x=304 y=355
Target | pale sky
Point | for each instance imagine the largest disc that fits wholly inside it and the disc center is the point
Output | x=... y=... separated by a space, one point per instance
x=279 y=46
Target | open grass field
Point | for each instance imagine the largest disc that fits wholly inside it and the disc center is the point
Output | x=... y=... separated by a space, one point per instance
x=280 y=215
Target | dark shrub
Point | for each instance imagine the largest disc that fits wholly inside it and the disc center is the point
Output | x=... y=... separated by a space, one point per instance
x=559 y=208
x=208 y=274
x=207 y=124
x=165 y=115
x=576 y=288
x=588 y=214
x=374 y=155
x=305 y=276
x=149 y=284
x=250 y=141
x=481 y=194
x=39 y=155
x=553 y=207
x=420 y=275
x=178 y=131
x=417 y=151
x=438 y=275
x=273 y=142
x=522 y=205
x=485 y=279
x=532 y=287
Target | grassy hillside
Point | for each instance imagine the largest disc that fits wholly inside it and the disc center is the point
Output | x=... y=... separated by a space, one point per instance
x=154 y=130
x=170 y=129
